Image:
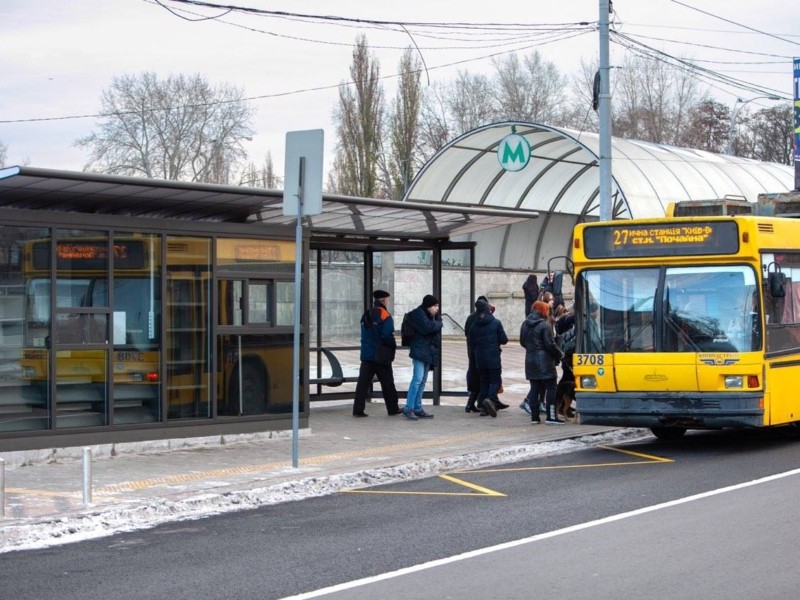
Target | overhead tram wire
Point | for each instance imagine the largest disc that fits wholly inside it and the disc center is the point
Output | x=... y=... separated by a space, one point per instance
x=432 y=31
x=301 y=91
x=706 y=46
x=338 y=19
x=742 y=25
x=685 y=65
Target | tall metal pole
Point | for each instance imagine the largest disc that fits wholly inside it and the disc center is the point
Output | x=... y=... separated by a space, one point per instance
x=604 y=113
x=298 y=296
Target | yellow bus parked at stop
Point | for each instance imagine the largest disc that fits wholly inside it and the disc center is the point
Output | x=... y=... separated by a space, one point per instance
x=688 y=322
x=125 y=330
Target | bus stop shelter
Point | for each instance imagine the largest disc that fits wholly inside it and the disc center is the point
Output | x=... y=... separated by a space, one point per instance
x=354 y=246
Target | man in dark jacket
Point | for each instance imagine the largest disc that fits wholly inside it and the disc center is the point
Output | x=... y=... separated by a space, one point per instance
x=424 y=353
x=473 y=381
x=485 y=338
x=378 y=348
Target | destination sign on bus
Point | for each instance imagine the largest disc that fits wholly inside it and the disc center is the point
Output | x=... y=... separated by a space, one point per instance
x=88 y=255
x=662 y=239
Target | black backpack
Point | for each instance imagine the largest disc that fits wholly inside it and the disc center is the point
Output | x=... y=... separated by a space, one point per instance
x=566 y=341
x=406 y=331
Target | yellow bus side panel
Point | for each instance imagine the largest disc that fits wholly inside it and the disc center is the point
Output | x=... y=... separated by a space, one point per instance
x=782 y=404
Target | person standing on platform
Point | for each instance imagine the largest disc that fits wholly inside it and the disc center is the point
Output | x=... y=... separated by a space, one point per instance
x=542 y=355
x=531 y=289
x=473 y=381
x=424 y=352
x=485 y=338
x=378 y=348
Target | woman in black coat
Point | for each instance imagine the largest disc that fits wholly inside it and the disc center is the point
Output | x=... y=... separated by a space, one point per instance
x=485 y=337
x=542 y=355
x=531 y=289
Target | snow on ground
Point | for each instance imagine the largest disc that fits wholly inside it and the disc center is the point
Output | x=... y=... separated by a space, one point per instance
x=134 y=516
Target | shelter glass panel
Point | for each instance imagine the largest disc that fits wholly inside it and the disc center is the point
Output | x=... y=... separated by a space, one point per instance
x=24 y=398
x=136 y=334
x=187 y=312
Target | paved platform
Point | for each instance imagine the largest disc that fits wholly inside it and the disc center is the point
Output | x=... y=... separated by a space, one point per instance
x=141 y=485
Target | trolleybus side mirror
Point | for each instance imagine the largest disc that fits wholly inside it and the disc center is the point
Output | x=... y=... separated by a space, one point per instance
x=556 y=283
x=776 y=281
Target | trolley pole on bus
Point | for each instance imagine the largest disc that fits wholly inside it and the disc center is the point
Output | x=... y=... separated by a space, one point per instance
x=302 y=196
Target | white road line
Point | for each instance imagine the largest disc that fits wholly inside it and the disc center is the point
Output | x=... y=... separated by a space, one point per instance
x=542 y=536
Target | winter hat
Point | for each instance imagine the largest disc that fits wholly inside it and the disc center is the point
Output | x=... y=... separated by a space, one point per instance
x=481 y=305
x=429 y=301
x=378 y=294
x=483 y=298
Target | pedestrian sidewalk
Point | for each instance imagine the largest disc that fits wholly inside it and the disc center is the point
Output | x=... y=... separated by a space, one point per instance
x=145 y=484
x=138 y=485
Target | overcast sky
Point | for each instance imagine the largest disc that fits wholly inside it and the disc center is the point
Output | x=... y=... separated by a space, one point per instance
x=57 y=57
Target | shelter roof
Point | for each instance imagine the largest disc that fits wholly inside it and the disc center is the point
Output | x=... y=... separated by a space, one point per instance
x=84 y=192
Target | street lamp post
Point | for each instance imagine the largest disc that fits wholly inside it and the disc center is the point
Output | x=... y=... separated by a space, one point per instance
x=737 y=107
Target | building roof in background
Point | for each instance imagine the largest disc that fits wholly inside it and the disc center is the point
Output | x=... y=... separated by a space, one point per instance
x=562 y=176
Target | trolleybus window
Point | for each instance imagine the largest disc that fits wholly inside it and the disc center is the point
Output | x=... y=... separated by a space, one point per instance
x=670 y=309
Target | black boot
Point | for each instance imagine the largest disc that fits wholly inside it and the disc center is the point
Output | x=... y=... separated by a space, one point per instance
x=471 y=408
x=552 y=417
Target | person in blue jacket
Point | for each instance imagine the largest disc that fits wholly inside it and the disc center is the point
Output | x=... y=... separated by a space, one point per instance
x=424 y=353
x=378 y=348
x=485 y=338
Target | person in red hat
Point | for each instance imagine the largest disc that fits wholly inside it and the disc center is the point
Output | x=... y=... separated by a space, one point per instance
x=378 y=348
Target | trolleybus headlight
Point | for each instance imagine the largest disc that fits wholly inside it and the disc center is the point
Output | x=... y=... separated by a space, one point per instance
x=734 y=381
x=588 y=382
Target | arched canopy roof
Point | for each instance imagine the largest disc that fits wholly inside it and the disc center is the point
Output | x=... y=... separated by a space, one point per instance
x=563 y=177
x=561 y=182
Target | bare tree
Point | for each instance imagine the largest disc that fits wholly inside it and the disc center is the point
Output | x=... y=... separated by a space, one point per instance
x=179 y=128
x=359 y=119
x=435 y=128
x=261 y=177
x=708 y=127
x=772 y=134
x=529 y=90
x=404 y=126
x=652 y=101
x=471 y=102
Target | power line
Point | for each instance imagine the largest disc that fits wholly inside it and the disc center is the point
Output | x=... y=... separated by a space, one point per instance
x=772 y=35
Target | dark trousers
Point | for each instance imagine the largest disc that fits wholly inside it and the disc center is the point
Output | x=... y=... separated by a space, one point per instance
x=490 y=384
x=539 y=388
x=385 y=375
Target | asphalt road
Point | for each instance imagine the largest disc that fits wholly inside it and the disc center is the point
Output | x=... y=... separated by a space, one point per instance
x=554 y=527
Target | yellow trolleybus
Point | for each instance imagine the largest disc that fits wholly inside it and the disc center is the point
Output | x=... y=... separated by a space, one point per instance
x=688 y=323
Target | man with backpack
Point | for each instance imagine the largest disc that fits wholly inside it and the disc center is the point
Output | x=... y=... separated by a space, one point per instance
x=378 y=348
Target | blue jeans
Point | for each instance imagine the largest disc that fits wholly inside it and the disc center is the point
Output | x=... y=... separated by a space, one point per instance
x=419 y=376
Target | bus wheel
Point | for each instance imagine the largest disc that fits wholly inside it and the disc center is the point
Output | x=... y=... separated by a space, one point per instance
x=668 y=433
x=254 y=384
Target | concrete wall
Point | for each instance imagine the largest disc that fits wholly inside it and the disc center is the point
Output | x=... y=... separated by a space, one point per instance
x=407 y=286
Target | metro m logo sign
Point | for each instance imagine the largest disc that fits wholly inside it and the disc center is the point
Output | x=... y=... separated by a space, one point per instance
x=513 y=152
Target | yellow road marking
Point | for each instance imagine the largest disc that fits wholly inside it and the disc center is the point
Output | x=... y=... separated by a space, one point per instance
x=649 y=457
x=649 y=460
x=482 y=491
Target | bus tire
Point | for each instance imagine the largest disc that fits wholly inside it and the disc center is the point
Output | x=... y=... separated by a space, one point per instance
x=668 y=433
x=254 y=384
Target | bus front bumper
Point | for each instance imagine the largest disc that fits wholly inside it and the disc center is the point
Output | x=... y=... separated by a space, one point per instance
x=671 y=409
